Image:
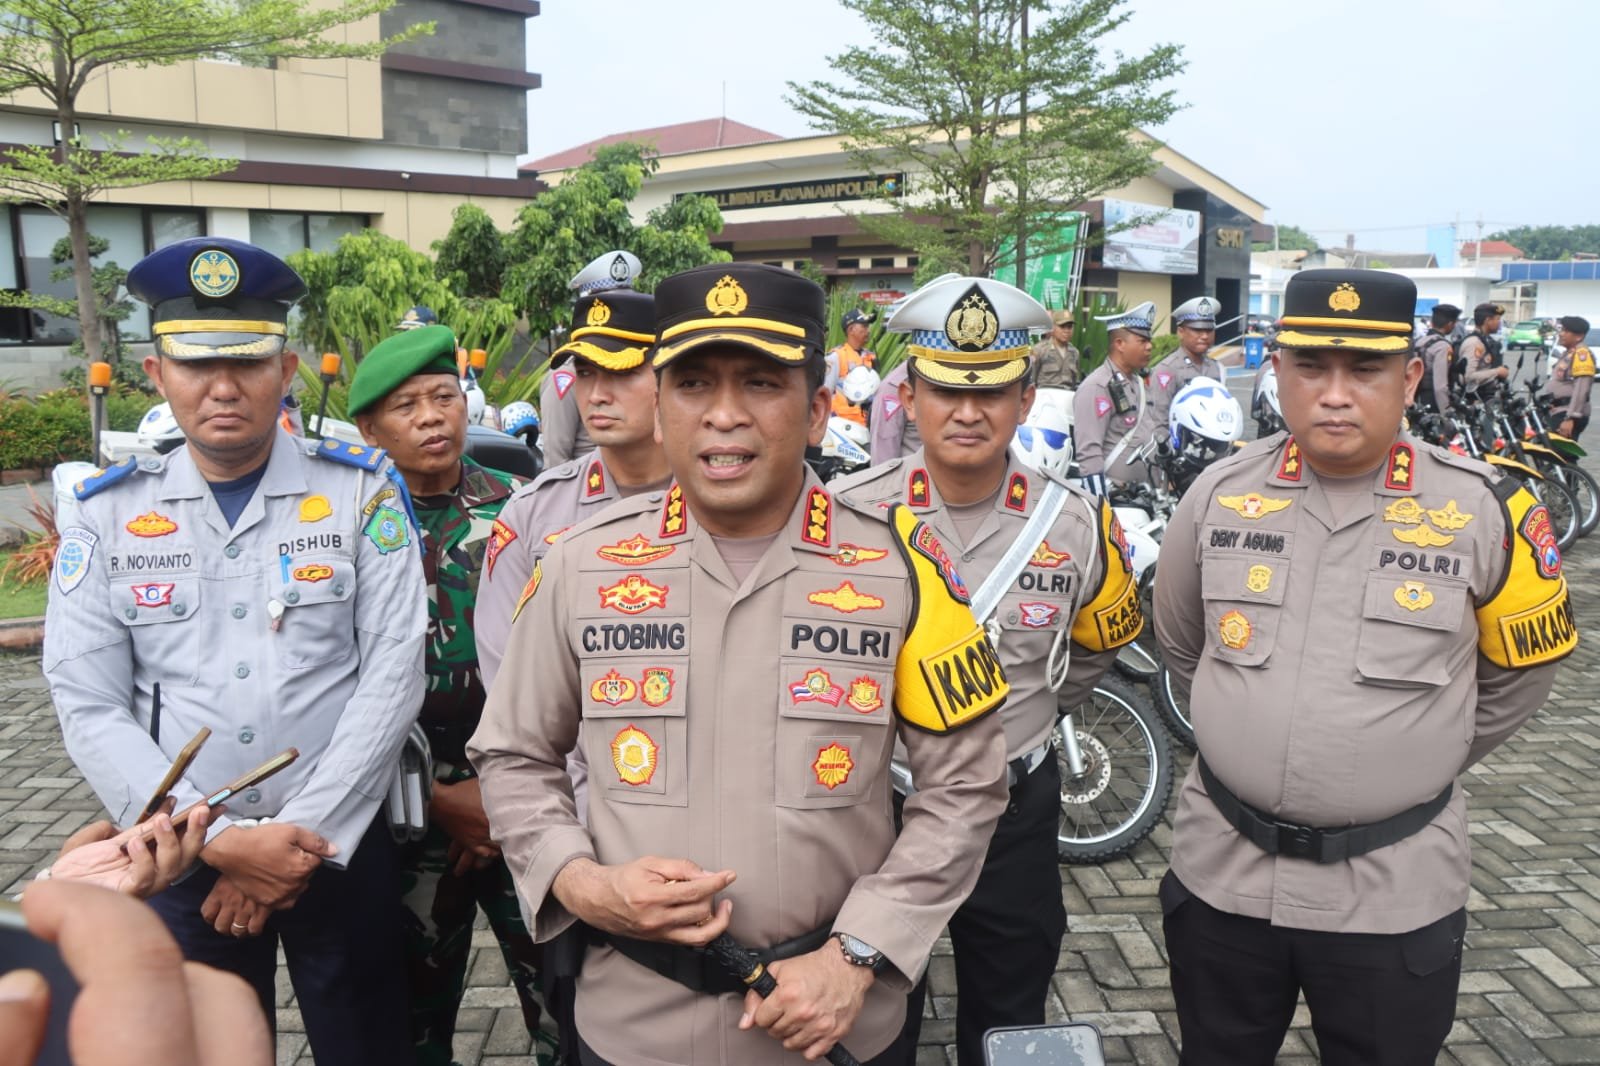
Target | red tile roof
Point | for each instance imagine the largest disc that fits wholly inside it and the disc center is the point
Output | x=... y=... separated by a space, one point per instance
x=668 y=140
x=1491 y=250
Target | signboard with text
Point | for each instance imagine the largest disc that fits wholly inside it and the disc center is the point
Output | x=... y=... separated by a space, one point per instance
x=823 y=190
x=1147 y=239
x=1052 y=278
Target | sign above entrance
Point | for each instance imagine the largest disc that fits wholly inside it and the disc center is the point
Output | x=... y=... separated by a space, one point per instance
x=1147 y=239
x=825 y=190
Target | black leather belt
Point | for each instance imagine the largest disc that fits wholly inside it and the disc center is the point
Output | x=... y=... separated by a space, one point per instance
x=1276 y=837
x=699 y=972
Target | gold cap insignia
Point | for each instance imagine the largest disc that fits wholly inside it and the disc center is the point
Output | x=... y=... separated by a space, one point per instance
x=832 y=766
x=972 y=326
x=1259 y=579
x=1234 y=629
x=845 y=599
x=214 y=273
x=151 y=524
x=599 y=314
x=727 y=297
x=1407 y=512
x=633 y=754
x=1253 y=505
x=1424 y=536
x=1413 y=596
x=1345 y=298
x=315 y=508
x=1448 y=517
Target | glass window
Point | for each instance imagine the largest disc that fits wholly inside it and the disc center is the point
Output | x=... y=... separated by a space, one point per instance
x=327 y=229
x=123 y=227
x=280 y=232
x=170 y=227
x=40 y=231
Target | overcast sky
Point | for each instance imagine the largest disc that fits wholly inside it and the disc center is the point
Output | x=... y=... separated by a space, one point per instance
x=1377 y=117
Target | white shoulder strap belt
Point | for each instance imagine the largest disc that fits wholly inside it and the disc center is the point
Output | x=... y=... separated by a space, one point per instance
x=1021 y=550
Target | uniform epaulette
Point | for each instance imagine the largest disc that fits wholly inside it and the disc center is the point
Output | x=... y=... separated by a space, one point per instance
x=565 y=472
x=357 y=455
x=1495 y=479
x=877 y=509
x=104 y=478
x=846 y=482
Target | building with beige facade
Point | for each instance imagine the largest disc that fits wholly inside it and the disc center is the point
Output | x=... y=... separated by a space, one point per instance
x=324 y=148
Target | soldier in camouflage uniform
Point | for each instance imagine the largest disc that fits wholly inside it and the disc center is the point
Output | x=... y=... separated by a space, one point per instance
x=406 y=395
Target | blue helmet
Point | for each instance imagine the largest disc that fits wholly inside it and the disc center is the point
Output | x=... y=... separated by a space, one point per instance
x=519 y=419
x=417 y=317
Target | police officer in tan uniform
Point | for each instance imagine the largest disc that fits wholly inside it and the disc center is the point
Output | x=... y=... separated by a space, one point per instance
x=1481 y=349
x=1048 y=557
x=743 y=650
x=1572 y=377
x=1360 y=617
x=1196 y=322
x=894 y=432
x=616 y=393
x=1437 y=353
x=1055 y=358
x=1112 y=416
x=563 y=430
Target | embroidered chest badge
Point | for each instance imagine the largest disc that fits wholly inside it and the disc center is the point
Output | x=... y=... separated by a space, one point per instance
x=845 y=599
x=1413 y=596
x=1234 y=629
x=864 y=695
x=854 y=555
x=816 y=687
x=634 y=755
x=151 y=524
x=832 y=766
x=635 y=551
x=1253 y=505
x=634 y=594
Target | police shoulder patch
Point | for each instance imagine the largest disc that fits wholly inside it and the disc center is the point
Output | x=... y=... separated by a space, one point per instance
x=1528 y=621
x=947 y=674
x=357 y=455
x=1583 y=363
x=104 y=478
x=1111 y=617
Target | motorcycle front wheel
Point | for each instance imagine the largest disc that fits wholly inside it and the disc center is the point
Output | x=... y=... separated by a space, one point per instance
x=1127 y=775
x=1580 y=484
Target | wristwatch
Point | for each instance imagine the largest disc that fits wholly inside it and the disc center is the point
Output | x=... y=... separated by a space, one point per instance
x=859 y=953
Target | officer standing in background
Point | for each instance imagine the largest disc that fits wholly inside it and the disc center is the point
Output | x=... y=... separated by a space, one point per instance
x=743 y=650
x=417 y=318
x=1112 y=416
x=270 y=588
x=1572 y=377
x=1437 y=353
x=1196 y=321
x=1320 y=843
x=563 y=432
x=616 y=395
x=1481 y=348
x=894 y=431
x=845 y=358
x=406 y=398
x=1047 y=558
x=1055 y=360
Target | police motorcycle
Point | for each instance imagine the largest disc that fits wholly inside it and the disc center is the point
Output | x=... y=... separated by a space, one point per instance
x=847 y=444
x=1525 y=418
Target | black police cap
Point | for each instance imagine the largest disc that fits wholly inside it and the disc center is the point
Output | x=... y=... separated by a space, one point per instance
x=1362 y=310
x=751 y=306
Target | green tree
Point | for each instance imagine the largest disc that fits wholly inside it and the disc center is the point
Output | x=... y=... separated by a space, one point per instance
x=941 y=91
x=55 y=46
x=356 y=293
x=1290 y=239
x=1552 y=242
x=472 y=256
x=586 y=215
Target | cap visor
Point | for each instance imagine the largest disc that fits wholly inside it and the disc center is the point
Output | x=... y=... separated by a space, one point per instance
x=1358 y=342
x=183 y=346
x=780 y=351
x=969 y=375
x=608 y=353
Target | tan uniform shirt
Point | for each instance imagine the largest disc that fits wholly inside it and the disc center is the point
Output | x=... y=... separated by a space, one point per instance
x=893 y=434
x=1570 y=381
x=1066 y=595
x=1172 y=374
x=1098 y=427
x=747 y=726
x=562 y=434
x=1435 y=348
x=528 y=525
x=1480 y=363
x=1054 y=367
x=1345 y=670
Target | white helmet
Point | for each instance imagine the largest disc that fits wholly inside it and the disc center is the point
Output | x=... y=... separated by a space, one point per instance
x=1269 y=391
x=860 y=385
x=519 y=419
x=476 y=401
x=847 y=442
x=1203 y=413
x=158 y=430
x=1043 y=448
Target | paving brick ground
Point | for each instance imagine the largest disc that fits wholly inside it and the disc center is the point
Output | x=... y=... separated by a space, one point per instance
x=1530 y=990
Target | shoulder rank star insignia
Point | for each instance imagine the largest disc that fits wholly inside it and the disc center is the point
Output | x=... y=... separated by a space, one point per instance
x=1017 y=494
x=151 y=524
x=672 y=515
x=832 y=766
x=1289 y=465
x=633 y=595
x=1253 y=505
x=1234 y=629
x=1448 y=517
x=1044 y=556
x=500 y=535
x=1406 y=511
x=854 y=555
x=1413 y=596
x=656 y=688
x=864 y=695
x=845 y=599
x=634 y=755
x=154 y=594
x=635 y=551
x=917 y=488
x=315 y=508
x=595 y=483
x=613 y=689
x=1398 y=475
x=818 y=526
x=1424 y=536
x=816 y=687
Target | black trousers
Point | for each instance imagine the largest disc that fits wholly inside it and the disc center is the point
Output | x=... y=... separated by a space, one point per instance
x=1375 y=1000
x=342 y=940
x=1007 y=935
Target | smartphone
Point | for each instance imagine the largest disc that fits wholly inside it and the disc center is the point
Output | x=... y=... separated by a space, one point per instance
x=21 y=950
x=1062 y=1044
x=249 y=778
x=180 y=766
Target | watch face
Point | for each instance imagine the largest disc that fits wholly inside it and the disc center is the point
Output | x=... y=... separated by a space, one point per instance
x=859 y=948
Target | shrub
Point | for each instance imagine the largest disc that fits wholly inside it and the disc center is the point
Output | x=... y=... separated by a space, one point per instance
x=54 y=427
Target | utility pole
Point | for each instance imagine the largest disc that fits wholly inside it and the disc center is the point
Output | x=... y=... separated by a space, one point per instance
x=1022 y=175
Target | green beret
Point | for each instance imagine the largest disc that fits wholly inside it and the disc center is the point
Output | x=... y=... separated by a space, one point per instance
x=428 y=350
